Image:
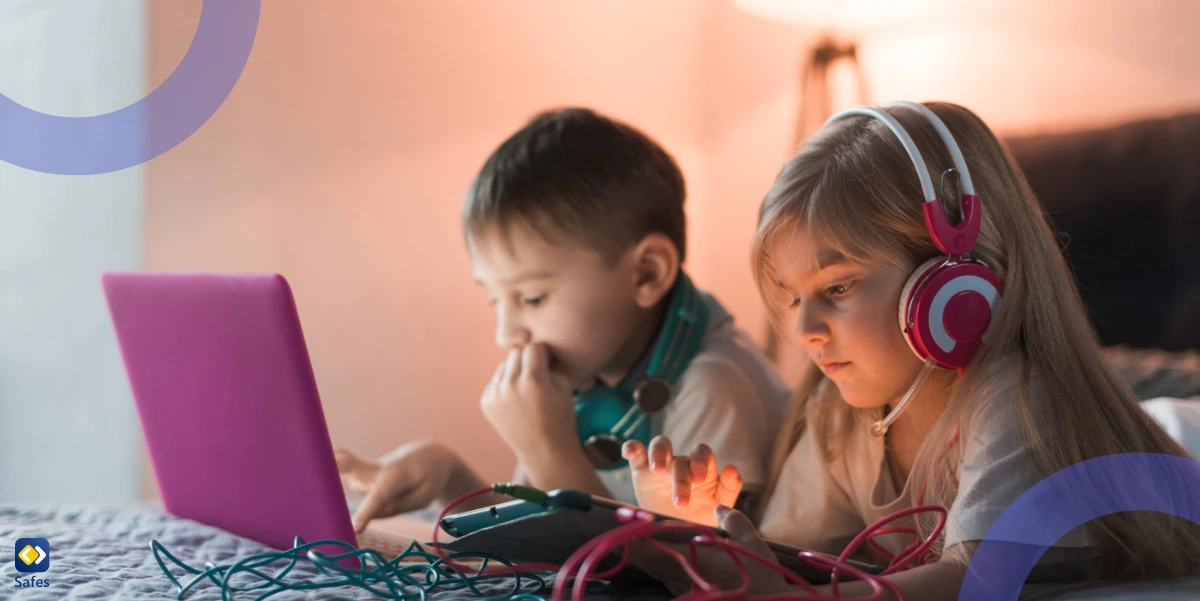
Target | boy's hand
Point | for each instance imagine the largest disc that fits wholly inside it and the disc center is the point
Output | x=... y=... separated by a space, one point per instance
x=685 y=487
x=530 y=406
x=356 y=472
x=407 y=479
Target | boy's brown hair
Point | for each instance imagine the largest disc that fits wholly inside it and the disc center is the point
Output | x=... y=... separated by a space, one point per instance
x=573 y=172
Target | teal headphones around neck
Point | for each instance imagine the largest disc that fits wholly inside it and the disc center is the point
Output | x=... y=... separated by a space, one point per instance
x=607 y=416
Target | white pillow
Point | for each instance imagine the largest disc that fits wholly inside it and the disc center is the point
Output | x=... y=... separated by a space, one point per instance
x=1180 y=418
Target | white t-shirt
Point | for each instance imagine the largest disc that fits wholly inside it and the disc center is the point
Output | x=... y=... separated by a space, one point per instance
x=730 y=398
x=821 y=505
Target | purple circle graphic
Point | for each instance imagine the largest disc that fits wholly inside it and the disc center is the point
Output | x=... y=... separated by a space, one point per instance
x=151 y=126
x=1068 y=499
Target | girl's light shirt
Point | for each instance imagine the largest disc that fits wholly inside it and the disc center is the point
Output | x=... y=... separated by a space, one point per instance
x=822 y=505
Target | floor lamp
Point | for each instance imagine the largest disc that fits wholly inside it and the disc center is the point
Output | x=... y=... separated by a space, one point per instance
x=816 y=104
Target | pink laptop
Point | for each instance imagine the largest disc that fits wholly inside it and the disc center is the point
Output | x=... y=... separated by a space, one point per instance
x=228 y=404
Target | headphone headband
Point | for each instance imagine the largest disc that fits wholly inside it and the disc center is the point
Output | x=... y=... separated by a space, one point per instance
x=683 y=330
x=955 y=239
x=956 y=155
x=607 y=416
x=906 y=141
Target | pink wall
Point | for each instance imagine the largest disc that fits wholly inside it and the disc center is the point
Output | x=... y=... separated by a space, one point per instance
x=340 y=158
x=1026 y=65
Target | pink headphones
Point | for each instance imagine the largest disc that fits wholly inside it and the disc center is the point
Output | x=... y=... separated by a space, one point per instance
x=948 y=302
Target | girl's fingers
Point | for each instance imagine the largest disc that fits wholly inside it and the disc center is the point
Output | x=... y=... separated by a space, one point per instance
x=682 y=481
x=729 y=486
x=704 y=464
x=741 y=530
x=635 y=453
x=660 y=453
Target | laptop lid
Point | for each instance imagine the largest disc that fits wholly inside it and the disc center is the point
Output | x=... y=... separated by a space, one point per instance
x=228 y=403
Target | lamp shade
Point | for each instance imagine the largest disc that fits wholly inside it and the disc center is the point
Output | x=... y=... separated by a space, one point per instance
x=846 y=14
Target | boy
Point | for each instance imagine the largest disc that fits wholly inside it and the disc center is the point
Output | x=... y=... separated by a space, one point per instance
x=576 y=229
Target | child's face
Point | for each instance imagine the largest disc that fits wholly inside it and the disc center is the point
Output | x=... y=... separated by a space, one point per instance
x=846 y=318
x=564 y=296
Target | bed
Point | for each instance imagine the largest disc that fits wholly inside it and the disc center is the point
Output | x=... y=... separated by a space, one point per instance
x=104 y=553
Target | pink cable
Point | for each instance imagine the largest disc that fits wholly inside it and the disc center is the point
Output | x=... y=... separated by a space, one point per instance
x=906 y=557
x=641 y=525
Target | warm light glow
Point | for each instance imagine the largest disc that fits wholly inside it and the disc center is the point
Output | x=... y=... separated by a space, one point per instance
x=835 y=13
x=853 y=15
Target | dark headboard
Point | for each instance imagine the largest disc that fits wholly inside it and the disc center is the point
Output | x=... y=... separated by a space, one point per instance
x=1126 y=201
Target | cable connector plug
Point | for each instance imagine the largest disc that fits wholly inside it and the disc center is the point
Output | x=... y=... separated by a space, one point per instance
x=519 y=491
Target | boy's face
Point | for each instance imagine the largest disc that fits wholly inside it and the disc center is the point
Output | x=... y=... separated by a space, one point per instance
x=565 y=296
x=845 y=315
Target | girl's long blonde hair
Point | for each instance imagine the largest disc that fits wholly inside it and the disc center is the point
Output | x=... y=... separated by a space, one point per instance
x=854 y=188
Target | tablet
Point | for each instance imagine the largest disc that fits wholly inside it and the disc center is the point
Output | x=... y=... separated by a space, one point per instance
x=525 y=531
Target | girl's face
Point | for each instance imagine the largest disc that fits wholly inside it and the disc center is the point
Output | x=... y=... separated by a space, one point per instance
x=846 y=318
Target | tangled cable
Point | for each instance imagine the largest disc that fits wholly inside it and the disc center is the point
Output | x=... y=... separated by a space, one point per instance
x=642 y=526
x=416 y=573
x=411 y=576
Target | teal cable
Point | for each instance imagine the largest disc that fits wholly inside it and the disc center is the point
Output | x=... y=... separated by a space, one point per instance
x=410 y=576
x=403 y=578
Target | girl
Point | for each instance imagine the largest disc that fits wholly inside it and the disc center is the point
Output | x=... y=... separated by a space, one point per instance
x=992 y=380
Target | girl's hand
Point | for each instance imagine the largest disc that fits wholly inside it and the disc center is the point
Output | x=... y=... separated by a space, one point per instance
x=684 y=487
x=713 y=563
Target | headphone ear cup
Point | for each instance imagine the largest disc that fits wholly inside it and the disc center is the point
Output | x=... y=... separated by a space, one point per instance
x=598 y=410
x=908 y=320
x=598 y=413
x=946 y=308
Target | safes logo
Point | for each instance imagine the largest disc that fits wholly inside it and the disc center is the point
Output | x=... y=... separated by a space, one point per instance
x=31 y=555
